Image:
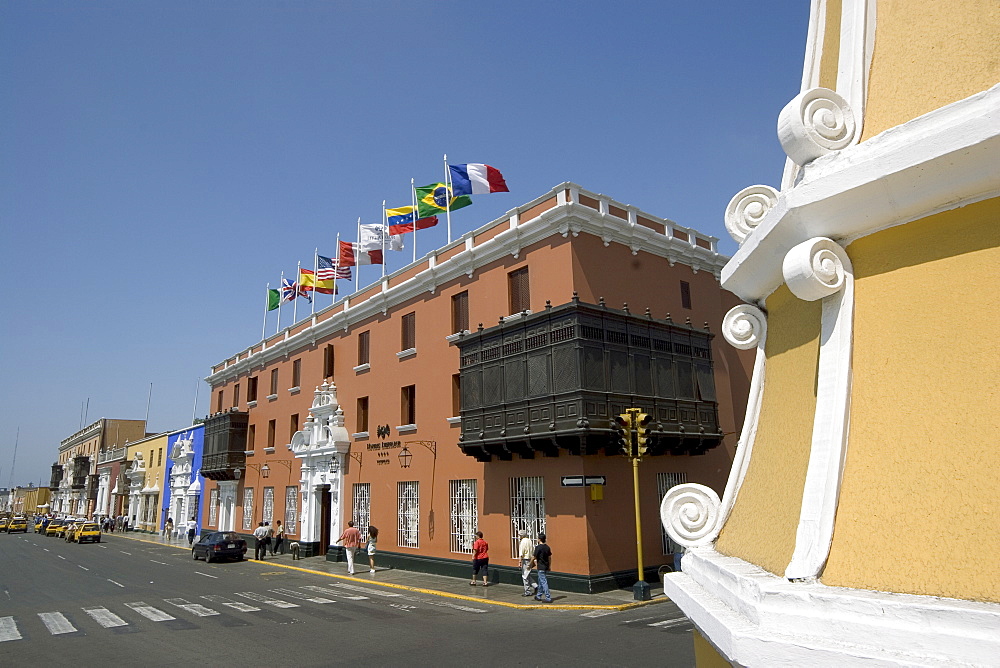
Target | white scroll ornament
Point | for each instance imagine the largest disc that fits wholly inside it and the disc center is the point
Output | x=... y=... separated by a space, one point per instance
x=689 y=513
x=815 y=268
x=816 y=122
x=744 y=326
x=747 y=209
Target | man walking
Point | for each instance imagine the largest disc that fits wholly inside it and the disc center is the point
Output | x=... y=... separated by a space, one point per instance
x=192 y=529
x=351 y=538
x=524 y=554
x=260 y=548
x=542 y=559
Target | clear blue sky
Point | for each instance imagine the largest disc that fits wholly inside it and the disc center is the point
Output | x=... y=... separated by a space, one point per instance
x=161 y=162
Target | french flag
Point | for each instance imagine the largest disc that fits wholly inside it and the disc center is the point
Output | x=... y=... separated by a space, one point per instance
x=476 y=180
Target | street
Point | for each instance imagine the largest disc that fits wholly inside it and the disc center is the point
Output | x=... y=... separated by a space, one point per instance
x=132 y=600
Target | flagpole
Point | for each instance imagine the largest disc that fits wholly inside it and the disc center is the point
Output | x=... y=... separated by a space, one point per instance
x=357 y=260
x=295 y=299
x=447 y=184
x=416 y=216
x=335 y=270
x=281 y=298
x=315 y=278
x=267 y=302
x=385 y=233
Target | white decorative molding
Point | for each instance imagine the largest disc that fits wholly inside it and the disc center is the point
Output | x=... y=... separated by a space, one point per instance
x=814 y=123
x=406 y=428
x=252 y=404
x=271 y=397
x=690 y=514
x=744 y=326
x=455 y=420
x=294 y=390
x=362 y=367
x=451 y=338
x=820 y=269
x=747 y=209
x=359 y=435
x=403 y=354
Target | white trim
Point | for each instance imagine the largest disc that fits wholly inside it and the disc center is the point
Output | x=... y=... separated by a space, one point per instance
x=269 y=451
x=271 y=397
x=754 y=618
x=362 y=367
x=357 y=436
x=294 y=390
x=409 y=352
x=454 y=420
x=406 y=428
x=248 y=453
x=451 y=338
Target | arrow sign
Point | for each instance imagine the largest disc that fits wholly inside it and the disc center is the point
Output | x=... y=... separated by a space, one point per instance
x=571 y=481
x=595 y=480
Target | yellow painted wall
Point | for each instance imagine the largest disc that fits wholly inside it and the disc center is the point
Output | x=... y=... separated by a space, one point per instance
x=705 y=655
x=762 y=526
x=929 y=53
x=830 y=55
x=920 y=501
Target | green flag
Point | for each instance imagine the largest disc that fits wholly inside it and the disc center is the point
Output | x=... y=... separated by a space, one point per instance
x=433 y=200
x=273 y=299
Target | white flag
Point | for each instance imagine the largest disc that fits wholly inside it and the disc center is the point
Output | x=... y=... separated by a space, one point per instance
x=375 y=237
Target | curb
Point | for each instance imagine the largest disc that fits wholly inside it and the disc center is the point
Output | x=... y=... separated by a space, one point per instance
x=435 y=592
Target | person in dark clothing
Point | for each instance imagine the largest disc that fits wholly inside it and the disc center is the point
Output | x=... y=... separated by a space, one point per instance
x=542 y=560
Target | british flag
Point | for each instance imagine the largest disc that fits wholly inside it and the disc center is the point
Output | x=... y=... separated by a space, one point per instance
x=329 y=268
x=289 y=289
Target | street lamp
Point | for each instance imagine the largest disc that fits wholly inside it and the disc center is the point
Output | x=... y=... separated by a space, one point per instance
x=334 y=464
x=265 y=471
x=404 y=457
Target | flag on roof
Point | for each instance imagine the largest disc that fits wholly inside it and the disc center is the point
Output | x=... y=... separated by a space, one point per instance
x=474 y=179
x=308 y=282
x=273 y=298
x=434 y=199
x=328 y=269
x=351 y=255
x=288 y=290
x=401 y=224
x=377 y=237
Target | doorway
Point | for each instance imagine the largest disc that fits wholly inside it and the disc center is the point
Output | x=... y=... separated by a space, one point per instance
x=325 y=507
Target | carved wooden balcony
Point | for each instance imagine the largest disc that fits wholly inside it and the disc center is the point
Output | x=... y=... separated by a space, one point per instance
x=225 y=445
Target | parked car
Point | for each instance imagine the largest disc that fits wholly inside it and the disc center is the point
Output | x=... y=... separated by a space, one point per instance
x=40 y=524
x=17 y=524
x=56 y=528
x=3 y=523
x=220 y=544
x=84 y=532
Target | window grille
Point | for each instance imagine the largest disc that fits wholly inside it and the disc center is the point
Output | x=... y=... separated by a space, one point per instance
x=291 y=509
x=464 y=515
x=527 y=508
x=213 y=507
x=361 y=510
x=248 y=508
x=664 y=481
x=408 y=518
x=268 y=505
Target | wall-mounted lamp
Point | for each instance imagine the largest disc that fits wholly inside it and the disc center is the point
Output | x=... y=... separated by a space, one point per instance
x=404 y=457
x=334 y=464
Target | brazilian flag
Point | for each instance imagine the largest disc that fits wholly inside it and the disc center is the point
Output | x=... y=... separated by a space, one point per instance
x=433 y=200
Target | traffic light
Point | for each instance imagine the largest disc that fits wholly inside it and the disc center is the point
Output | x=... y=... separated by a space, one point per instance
x=644 y=438
x=623 y=428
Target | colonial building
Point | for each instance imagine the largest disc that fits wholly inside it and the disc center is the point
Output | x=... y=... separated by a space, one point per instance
x=145 y=476
x=475 y=389
x=182 y=495
x=859 y=523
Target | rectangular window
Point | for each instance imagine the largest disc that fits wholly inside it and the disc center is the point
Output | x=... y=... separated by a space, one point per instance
x=517 y=287
x=685 y=294
x=271 y=425
x=248 y=508
x=664 y=481
x=460 y=312
x=236 y=395
x=456 y=394
x=464 y=514
x=293 y=426
x=218 y=402
x=362 y=414
x=408 y=518
x=213 y=507
x=274 y=381
x=291 y=509
x=408 y=332
x=328 y=361
x=252 y=389
x=251 y=436
x=527 y=508
x=408 y=405
x=159 y=457
x=268 y=505
x=297 y=373
x=361 y=510
x=363 y=348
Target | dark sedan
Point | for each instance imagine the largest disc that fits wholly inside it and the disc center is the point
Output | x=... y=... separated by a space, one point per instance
x=220 y=544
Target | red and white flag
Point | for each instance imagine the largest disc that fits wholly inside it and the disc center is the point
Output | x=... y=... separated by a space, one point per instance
x=350 y=256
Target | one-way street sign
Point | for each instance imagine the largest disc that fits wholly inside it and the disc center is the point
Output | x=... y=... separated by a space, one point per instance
x=582 y=481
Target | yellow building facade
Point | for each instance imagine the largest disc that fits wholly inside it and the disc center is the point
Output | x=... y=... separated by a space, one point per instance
x=859 y=523
x=145 y=479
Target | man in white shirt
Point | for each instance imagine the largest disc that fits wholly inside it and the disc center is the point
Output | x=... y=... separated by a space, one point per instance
x=525 y=550
x=192 y=529
x=260 y=549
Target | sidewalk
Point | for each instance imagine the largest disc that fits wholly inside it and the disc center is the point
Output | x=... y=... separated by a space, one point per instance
x=506 y=595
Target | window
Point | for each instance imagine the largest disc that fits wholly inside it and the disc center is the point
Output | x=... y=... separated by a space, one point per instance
x=362 y=414
x=213 y=507
x=274 y=381
x=248 y=508
x=664 y=481
x=517 y=287
x=527 y=508
x=408 y=517
x=685 y=294
x=363 y=348
x=293 y=426
x=252 y=389
x=456 y=394
x=268 y=505
x=251 y=436
x=218 y=402
x=460 y=312
x=408 y=405
x=236 y=395
x=464 y=514
x=408 y=332
x=291 y=509
x=297 y=373
x=159 y=457
x=328 y=361
x=271 y=424
x=361 y=510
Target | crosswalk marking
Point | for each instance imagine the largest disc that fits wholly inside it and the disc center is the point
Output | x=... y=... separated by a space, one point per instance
x=193 y=608
x=149 y=612
x=305 y=597
x=261 y=598
x=56 y=623
x=598 y=613
x=668 y=623
x=105 y=617
x=235 y=605
x=8 y=629
x=370 y=592
x=324 y=590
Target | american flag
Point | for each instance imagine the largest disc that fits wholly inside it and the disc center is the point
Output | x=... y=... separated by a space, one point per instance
x=329 y=269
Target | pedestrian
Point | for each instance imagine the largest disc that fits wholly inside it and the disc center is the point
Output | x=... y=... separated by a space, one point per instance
x=268 y=539
x=351 y=538
x=279 y=538
x=192 y=528
x=542 y=560
x=480 y=559
x=525 y=550
x=168 y=528
x=124 y=524
x=259 y=549
x=372 y=539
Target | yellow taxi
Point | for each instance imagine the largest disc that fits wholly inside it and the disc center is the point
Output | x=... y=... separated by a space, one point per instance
x=17 y=524
x=38 y=524
x=84 y=532
x=56 y=528
x=3 y=523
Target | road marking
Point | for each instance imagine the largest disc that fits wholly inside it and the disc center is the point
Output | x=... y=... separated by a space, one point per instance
x=370 y=592
x=207 y=575
x=261 y=598
x=83 y=567
x=402 y=606
x=159 y=562
x=46 y=549
x=242 y=607
x=324 y=590
x=294 y=594
x=56 y=623
x=103 y=547
x=105 y=617
x=115 y=583
x=668 y=623
x=193 y=608
x=128 y=553
x=598 y=613
x=61 y=557
x=8 y=629
x=149 y=612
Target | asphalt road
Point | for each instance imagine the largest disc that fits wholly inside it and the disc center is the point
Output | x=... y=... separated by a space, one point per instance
x=152 y=605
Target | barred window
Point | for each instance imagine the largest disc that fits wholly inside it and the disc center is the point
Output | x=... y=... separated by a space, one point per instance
x=291 y=509
x=464 y=515
x=664 y=481
x=268 y=505
x=527 y=508
x=213 y=507
x=248 y=508
x=361 y=510
x=408 y=518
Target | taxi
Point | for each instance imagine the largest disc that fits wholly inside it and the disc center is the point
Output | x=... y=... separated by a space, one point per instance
x=17 y=524
x=56 y=528
x=38 y=524
x=3 y=523
x=84 y=532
